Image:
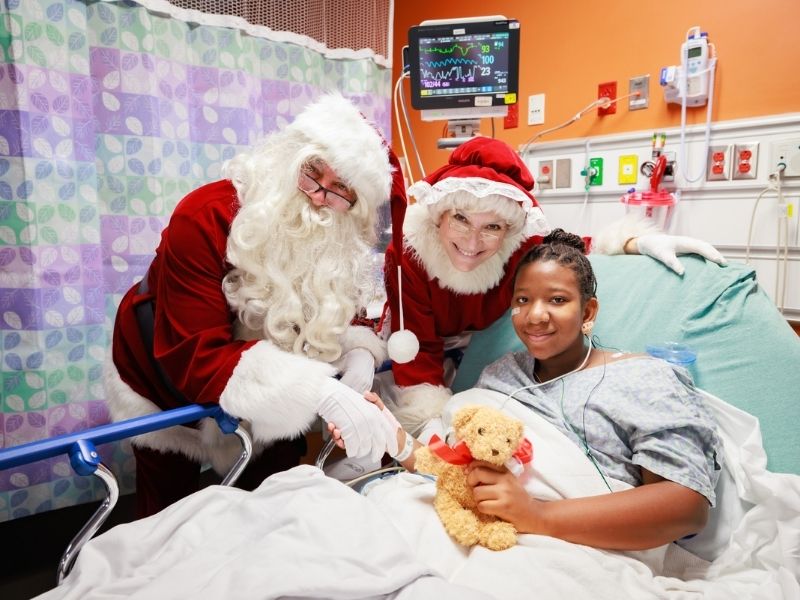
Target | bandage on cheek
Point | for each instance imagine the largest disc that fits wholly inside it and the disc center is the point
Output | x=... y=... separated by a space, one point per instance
x=515 y=311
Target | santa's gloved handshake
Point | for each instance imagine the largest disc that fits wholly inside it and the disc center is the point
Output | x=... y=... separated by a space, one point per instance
x=364 y=429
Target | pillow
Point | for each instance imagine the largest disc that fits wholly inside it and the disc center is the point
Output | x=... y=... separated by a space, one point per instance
x=747 y=354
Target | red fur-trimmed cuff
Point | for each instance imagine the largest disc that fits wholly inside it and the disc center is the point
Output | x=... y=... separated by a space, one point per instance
x=357 y=336
x=612 y=239
x=276 y=391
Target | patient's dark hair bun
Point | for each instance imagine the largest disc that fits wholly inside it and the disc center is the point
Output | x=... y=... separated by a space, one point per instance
x=567 y=249
x=559 y=236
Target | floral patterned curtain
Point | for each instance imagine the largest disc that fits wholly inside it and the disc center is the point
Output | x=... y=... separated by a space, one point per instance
x=109 y=114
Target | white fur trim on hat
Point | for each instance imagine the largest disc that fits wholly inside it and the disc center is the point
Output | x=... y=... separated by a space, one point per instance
x=479 y=187
x=276 y=391
x=417 y=404
x=358 y=336
x=612 y=239
x=349 y=144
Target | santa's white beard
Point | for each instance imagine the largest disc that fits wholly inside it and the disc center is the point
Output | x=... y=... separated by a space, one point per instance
x=299 y=278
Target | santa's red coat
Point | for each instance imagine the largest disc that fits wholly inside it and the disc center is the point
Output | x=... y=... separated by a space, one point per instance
x=193 y=334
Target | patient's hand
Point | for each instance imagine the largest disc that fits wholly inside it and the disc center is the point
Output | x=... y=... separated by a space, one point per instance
x=498 y=492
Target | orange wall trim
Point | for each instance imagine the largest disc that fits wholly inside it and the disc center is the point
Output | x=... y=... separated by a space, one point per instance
x=567 y=48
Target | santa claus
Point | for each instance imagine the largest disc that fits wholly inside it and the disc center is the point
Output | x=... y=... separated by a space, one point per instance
x=450 y=265
x=249 y=302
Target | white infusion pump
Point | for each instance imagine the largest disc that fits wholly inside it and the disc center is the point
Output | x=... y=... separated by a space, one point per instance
x=696 y=66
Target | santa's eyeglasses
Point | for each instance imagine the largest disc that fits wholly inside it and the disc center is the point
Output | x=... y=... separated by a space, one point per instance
x=460 y=226
x=308 y=185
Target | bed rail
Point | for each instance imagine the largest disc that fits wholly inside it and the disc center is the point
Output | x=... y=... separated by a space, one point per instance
x=85 y=460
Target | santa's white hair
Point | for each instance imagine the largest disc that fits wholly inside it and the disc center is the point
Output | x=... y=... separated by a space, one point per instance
x=301 y=273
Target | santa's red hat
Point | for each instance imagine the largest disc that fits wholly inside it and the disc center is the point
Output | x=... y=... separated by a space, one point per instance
x=349 y=144
x=482 y=175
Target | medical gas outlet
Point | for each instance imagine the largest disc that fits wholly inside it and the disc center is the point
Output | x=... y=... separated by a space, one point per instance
x=593 y=174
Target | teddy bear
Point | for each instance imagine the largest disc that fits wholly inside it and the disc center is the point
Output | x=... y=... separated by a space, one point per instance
x=486 y=434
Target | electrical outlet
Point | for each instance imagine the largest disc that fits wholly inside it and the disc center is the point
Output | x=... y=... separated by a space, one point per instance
x=639 y=84
x=536 y=109
x=786 y=153
x=563 y=173
x=511 y=119
x=607 y=90
x=745 y=161
x=628 y=165
x=718 y=167
x=545 y=176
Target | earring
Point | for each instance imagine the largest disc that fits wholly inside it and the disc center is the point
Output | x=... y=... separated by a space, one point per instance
x=586 y=328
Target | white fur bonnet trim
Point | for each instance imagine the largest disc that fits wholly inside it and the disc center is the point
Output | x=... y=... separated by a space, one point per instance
x=350 y=145
x=430 y=195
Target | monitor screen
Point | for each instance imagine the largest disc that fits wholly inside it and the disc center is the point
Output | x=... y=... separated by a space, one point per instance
x=466 y=67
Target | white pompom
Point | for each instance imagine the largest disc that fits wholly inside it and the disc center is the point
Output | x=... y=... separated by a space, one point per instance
x=403 y=346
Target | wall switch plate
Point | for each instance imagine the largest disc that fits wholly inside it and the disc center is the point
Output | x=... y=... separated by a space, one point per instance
x=745 y=161
x=563 y=173
x=639 y=84
x=607 y=90
x=536 y=109
x=628 y=167
x=545 y=176
x=787 y=153
x=718 y=166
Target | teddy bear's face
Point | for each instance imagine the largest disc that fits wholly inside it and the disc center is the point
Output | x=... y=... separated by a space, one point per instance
x=490 y=435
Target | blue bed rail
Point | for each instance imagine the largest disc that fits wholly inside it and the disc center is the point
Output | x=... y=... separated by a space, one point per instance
x=85 y=460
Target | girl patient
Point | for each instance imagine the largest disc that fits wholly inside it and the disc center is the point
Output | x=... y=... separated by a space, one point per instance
x=638 y=419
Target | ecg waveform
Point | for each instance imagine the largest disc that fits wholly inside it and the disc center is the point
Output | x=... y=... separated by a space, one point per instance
x=450 y=66
x=451 y=61
x=451 y=49
x=459 y=74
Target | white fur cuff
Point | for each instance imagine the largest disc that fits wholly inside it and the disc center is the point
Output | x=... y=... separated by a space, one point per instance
x=358 y=336
x=612 y=239
x=418 y=404
x=276 y=391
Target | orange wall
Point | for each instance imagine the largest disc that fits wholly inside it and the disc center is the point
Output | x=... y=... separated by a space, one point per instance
x=568 y=47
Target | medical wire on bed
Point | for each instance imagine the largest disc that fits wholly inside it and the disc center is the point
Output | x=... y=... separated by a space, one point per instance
x=587 y=448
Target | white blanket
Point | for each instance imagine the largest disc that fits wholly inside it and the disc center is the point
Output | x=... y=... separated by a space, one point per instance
x=762 y=559
x=299 y=535
x=303 y=535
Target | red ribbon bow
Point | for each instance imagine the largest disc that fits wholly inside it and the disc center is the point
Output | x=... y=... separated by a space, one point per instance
x=460 y=454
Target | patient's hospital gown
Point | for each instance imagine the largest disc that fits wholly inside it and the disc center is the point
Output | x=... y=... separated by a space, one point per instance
x=630 y=413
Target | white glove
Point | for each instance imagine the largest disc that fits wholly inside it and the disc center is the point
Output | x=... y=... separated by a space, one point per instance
x=357 y=367
x=665 y=248
x=361 y=424
x=391 y=426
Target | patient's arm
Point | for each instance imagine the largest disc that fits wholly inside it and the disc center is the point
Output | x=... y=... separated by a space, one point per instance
x=402 y=435
x=655 y=513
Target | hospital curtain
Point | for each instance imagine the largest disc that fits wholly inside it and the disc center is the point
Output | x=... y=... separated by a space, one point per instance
x=109 y=113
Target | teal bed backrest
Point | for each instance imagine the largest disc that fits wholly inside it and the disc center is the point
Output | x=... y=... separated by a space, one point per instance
x=746 y=352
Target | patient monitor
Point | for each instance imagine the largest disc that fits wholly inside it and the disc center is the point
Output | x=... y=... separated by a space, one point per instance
x=464 y=69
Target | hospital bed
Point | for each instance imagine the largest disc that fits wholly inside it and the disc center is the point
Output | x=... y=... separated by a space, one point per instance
x=81 y=448
x=746 y=354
